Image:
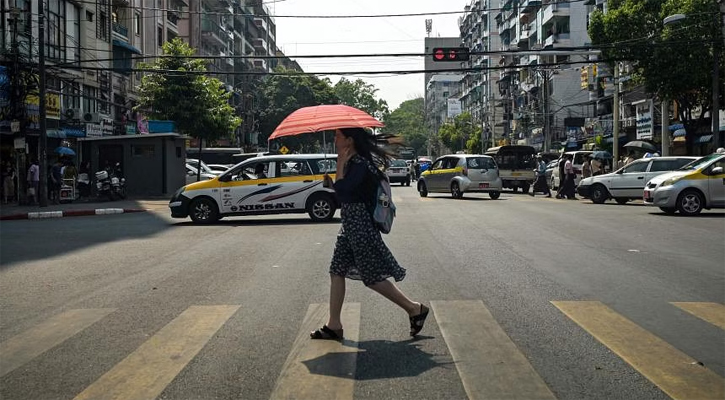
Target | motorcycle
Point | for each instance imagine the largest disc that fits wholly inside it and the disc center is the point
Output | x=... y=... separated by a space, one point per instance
x=110 y=184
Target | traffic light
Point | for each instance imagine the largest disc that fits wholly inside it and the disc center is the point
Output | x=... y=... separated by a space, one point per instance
x=441 y=54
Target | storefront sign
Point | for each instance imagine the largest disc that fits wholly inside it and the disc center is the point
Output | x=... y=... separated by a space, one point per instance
x=19 y=143
x=94 y=130
x=52 y=106
x=130 y=128
x=645 y=127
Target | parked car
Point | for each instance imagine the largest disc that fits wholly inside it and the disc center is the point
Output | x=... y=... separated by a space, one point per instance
x=696 y=186
x=628 y=182
x=398 y=171
x=192 y=175
x=218 y=168
x=461 y=173
x=259 y=186
x=578 y=158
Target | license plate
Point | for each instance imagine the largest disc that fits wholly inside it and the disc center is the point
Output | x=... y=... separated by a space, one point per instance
x=647 y=196
x=482 y=185
x=515 y=174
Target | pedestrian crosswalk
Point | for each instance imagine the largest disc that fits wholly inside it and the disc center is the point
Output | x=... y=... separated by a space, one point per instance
x=489 y=363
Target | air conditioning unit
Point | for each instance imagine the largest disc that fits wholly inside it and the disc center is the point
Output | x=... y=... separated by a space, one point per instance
x=73 y=114
x=92 y=118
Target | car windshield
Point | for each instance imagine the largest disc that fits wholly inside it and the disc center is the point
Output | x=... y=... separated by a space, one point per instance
x=700 y=162
x=398 y=163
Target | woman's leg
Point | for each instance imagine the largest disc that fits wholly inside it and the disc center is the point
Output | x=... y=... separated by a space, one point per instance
x=337 y=297
x=391 y=292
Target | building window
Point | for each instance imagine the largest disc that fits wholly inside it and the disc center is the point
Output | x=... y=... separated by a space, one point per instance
x=102 y=26
x=89 y=16
x=137 y=23
x=89 y=99
x=160 y=35
x=71 y=95
x=56 y=32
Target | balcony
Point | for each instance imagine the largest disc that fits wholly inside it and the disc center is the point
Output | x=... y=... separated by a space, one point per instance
x=260 y=64
x=121 y=30
x=212 y=32
x=259 y=44
x=121 y=3
x=529 y=5
x=227 y=58
x=558 y=39
x=555 y=10
x=172 y=17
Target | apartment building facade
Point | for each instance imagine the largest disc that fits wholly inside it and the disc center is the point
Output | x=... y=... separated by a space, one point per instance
x=515 y=99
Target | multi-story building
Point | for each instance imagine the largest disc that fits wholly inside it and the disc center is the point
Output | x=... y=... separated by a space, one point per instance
x=511 y=98
x=479 y=94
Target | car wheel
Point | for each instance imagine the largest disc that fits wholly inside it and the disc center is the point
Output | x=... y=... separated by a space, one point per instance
x=203 y=211
x=407 y=182
x=690 y=202
x=669 y=210
x=599 y=194
x=494 y=195
x=526 y=188
x=422 y=189
x=456 y=191
x=621 y=200
x=321 y=208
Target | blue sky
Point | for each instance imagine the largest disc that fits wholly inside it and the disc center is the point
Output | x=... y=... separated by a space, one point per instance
x=299 y=36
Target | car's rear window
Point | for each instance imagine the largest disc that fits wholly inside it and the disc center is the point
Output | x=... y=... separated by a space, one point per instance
x=398 y=163
x=480 y=163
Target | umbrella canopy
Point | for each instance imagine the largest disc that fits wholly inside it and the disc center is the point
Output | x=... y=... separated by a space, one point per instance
x=601 y=155
x=65 y=151
x=324 y=118
x=642 y=145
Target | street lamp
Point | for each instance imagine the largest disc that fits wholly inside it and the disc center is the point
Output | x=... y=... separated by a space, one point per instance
x=715 y=113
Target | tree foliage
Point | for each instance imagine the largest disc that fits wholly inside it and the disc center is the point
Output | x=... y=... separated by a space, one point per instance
x=674 y=61
x=281 y=95
x=408 y=121
x=462 y=133
x=361 y=95
x=197 y=103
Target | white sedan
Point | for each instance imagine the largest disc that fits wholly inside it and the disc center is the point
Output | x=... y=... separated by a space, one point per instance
x=628 y=182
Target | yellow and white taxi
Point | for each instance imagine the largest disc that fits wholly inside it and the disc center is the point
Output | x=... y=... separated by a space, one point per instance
x=696 y=186
x=275 y=184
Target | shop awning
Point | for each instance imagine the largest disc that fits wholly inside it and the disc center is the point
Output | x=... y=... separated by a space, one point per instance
x=680 y=132
x=703 y=139
x=126 y=46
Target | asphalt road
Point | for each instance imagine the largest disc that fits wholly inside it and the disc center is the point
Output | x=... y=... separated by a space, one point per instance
x=531 y=297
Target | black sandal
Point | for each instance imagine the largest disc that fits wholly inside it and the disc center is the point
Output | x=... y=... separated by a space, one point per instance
x=326 y=333
x=417 y=322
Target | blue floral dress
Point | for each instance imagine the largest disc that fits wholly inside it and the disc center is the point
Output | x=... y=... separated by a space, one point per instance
x=360 y=252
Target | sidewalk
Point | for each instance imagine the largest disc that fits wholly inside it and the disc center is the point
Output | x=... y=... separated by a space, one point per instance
x=78 y=208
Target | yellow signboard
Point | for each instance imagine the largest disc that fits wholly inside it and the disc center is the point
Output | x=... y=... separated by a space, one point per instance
x=52 y=104
x=284 y=150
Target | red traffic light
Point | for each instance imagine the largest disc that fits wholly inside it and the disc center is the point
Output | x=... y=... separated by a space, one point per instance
x=450 y=54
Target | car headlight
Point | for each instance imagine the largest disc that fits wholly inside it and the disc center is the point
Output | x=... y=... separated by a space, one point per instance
x=671 y=181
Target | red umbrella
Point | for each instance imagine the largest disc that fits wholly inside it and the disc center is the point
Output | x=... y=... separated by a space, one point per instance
x=324 y=118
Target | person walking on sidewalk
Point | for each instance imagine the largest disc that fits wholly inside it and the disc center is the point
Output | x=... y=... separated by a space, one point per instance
x=360 y=252
x=540 y=185
x=33 y=181
x=569 y=186
x=8 y=175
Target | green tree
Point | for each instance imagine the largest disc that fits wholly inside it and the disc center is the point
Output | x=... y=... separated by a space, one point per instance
x=674 y=62
x=361 y=95
x=281 y=95
x=197 y=103
x=408 y=121
x=461 y=134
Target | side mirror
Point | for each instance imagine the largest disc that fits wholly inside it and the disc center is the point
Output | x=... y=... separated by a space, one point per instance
x=716 y=171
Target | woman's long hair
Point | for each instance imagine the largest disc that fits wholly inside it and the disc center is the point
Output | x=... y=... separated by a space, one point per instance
x=369 y=146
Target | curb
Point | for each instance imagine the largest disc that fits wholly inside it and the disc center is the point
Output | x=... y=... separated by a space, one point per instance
x=70 y=213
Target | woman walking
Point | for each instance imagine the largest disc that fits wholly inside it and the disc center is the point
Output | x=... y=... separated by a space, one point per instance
x=360 y=252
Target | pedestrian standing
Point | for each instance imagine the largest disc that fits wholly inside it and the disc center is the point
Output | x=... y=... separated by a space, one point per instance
x=569 y=185
x=56 y=179
x=8 y=175
x=562 y=176
x=587 y=168
x=540 y=185
x=33 y=180
x=360 y=252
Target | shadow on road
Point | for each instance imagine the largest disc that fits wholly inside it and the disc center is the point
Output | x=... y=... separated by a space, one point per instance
x=241 y=221
x=701 y=215
x=377 y=359
x=30 y=240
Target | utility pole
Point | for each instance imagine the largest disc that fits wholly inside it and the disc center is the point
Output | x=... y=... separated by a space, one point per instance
x=547 y=133
x=43 y=145
x=615 y=118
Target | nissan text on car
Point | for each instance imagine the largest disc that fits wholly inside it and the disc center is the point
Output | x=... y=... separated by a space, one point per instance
x=696 y=186
x=461 y=173
x=628 y=182
x=262 y=185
